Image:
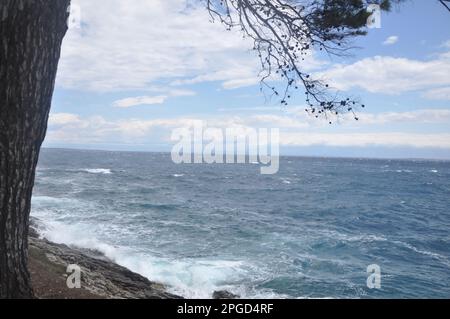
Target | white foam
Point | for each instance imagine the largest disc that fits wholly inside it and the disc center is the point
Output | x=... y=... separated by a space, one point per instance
x=354 y=238
x=188 y=277
x=431 y=254
x=178 y=175
x=47 y=205
x=98 y=170
x=434 y=171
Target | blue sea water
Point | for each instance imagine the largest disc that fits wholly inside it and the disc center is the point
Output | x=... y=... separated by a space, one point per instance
x=309 y=231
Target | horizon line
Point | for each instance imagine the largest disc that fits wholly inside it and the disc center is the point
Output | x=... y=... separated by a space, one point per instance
x=281 y=155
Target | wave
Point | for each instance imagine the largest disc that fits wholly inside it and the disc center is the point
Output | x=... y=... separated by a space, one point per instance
x=157 y=206
x=97 y=170
x=55 y=202
x=431 y=254
x=404 y=171
x=188 y=277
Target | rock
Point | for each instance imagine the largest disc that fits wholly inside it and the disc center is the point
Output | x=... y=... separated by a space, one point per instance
x=223 y=294
x=33 y=230
x=99 y=275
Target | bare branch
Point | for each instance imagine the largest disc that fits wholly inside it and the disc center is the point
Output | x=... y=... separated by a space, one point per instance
x=445 y=4
x=285 y=31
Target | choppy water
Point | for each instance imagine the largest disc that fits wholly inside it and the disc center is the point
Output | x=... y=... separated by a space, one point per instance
x=309 y=231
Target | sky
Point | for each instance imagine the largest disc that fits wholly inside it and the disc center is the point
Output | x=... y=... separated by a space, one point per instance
x=133 y=71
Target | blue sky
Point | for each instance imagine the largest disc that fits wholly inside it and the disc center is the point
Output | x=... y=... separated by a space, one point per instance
x=134 y=71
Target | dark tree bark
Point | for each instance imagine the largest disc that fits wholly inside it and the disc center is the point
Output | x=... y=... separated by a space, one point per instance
x=31 y=32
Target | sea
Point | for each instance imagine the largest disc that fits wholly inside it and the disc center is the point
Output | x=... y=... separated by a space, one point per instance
x=320 y=228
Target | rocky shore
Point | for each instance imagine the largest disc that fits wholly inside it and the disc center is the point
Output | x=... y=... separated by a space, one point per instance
x=101 y=278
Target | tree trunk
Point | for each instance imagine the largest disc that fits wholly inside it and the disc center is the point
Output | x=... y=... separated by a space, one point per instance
x=31 y=32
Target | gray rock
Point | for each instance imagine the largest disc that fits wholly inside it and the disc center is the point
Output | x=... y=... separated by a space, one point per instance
x=223 y=294
x=99 y=275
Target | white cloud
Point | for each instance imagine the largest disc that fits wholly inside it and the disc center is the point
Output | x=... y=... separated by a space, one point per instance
x=295 y=131
x=389 y=75
x=438 y=94
x=271 y=120
x=237 y=83
x=446 y=44
x=391 y=40
x=123 y=45
x=391 y=139
x=423 y=116
x=140 y=100
x=64 y=119
x=131 y=45
x=181 y=92
x=150 y=100
x=233 y=77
